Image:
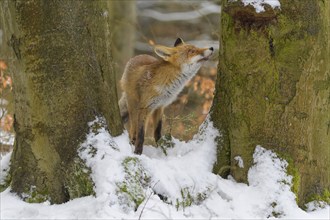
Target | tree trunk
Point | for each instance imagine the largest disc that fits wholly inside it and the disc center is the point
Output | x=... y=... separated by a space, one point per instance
x=65 y=80
x=273 y=89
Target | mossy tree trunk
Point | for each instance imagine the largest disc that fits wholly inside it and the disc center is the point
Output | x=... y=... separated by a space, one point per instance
x=64 y=79
x=273 y=89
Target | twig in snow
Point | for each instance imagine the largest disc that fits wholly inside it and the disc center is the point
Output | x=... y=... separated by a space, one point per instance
x=148 y=199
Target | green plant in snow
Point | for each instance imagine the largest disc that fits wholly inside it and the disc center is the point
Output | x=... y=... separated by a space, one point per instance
x=275 y=213
x=97 y=124
x=188 y=198
x=6 y=182
x=165 y=142
x=131 y=191
x=91 y=149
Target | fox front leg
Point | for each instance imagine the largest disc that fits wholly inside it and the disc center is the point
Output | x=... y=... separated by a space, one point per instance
x=140 y=140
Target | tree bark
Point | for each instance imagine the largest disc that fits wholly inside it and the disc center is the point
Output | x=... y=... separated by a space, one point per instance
x=65 y=80
x=273 y=90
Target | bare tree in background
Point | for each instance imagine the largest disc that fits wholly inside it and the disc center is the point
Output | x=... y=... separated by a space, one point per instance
x=123 y=19
x=273 y=90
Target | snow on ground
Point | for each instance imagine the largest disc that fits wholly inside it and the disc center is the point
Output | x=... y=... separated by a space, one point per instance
x=178 y=185
x=4 y=166
x=6 y=138
x=259 y=4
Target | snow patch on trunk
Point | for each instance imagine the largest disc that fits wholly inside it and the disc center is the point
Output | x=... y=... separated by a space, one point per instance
x=259 y=5
x=240 y=162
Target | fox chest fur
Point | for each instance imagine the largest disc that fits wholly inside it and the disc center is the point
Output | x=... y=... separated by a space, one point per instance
x=158 y=91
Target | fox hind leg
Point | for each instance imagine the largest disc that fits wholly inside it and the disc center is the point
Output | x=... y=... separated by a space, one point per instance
x=143 y=113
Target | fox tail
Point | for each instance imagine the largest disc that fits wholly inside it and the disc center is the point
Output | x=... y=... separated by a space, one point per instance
x=123 y=108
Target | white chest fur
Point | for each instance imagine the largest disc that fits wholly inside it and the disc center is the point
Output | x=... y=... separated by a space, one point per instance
x=169 y=91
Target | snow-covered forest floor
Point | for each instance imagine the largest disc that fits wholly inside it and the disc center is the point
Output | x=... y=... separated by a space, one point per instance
x=169 y=183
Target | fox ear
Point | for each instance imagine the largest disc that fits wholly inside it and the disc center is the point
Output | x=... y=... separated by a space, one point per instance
x=163 y=52
x=178 y=42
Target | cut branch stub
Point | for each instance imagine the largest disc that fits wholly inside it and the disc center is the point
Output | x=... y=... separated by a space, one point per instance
x=246 y=16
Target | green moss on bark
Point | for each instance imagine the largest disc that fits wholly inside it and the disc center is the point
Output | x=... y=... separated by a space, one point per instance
x=292 y=170
x=272 y=89
x=324 y=196
x=79 y=182
x=33 y=195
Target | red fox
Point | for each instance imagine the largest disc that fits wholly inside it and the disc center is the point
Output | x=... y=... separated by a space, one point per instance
x=150 y=84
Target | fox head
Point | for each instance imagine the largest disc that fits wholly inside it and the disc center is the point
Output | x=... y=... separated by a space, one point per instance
x=183 y=54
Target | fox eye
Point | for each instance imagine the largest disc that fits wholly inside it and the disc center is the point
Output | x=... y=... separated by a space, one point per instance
x=191 y=51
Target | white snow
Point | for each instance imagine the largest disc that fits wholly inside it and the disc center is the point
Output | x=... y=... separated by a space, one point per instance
x=186 y=172
x=259 y=4
x=6 y=138
x=4 y=166
x=239 y=161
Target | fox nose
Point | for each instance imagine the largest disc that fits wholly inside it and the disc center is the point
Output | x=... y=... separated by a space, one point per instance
x=211 y=48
